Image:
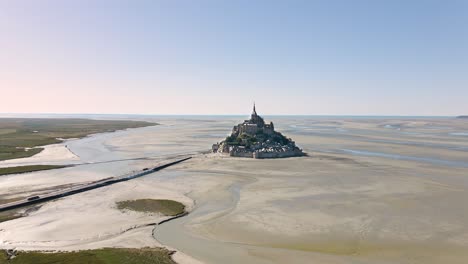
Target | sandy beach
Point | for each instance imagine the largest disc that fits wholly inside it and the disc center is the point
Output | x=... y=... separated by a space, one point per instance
x=372 y=190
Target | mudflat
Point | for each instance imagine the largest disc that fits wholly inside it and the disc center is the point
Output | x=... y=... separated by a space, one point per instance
x=372 y=190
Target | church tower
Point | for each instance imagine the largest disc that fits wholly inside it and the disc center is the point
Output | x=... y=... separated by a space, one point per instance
x=256 y=119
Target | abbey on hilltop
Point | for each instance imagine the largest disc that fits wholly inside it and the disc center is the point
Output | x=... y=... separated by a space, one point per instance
x=255 y=139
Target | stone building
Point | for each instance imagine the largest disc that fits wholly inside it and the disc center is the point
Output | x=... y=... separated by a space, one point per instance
x=254 y=125
x=255 y=139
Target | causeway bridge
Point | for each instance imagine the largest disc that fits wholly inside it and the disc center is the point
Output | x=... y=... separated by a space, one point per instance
x=86 y=187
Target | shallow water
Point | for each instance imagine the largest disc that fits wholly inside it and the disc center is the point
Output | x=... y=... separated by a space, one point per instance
x=403 y=157
x=459 y=134
x=211 y=251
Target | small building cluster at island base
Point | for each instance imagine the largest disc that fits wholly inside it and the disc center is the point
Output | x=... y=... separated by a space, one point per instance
x=255 y=139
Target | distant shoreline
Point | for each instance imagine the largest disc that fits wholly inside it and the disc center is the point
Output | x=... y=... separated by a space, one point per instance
x=145 y=116
x=23 y=137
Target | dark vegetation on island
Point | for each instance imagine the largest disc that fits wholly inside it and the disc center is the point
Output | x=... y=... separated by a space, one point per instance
x=165 y=207
x=96 y=256
x=252 y=139
x=28 y=168
x=20 y=137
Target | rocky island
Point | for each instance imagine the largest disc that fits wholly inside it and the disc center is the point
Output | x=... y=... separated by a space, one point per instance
x=255 y=139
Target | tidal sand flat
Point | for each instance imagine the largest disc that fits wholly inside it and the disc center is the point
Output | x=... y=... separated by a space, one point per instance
x=372 y=190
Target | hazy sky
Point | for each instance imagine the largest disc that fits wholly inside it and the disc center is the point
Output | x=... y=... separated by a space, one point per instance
x=371 y=57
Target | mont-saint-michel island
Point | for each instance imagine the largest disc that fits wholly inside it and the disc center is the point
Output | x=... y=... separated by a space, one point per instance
x=141 y=132
x=256 y=139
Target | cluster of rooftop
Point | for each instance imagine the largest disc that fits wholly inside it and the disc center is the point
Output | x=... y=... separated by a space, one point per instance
x=255 y=139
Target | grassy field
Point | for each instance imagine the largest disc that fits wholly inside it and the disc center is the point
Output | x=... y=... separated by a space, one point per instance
x=166 y=207
x=97 y=256
x=11 y=152
x=19 y=134
x=23 y=169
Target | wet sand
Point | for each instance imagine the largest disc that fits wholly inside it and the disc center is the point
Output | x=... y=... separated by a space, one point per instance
x=371 y=191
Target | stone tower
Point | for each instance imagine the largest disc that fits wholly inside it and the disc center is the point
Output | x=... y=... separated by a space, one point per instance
x=254 y=112
x=256 y=119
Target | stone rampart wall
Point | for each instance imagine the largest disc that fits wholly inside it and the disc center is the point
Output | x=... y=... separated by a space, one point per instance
x=241 y=154
x=270 y=155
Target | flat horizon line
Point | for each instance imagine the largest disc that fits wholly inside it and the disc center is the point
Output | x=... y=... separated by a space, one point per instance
x=233 y=115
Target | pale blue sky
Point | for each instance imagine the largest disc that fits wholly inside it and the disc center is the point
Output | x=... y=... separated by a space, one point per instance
x=340 y=57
